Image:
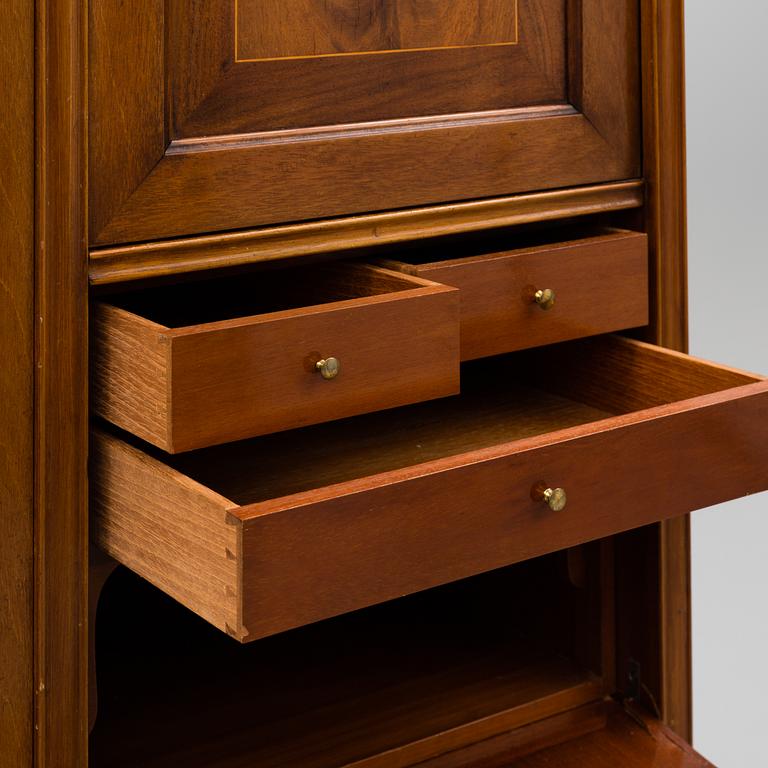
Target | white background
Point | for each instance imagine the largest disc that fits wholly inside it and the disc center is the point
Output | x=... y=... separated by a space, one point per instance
x=727 y=105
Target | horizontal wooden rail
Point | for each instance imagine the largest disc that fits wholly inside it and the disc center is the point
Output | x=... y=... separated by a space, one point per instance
x=133 y=262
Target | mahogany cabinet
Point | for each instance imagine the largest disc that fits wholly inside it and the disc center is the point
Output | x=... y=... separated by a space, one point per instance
x=350 y=422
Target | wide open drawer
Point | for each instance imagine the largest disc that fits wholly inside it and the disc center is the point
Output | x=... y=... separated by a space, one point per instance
x=588 y=283
x=280 y=531
x=191 y=365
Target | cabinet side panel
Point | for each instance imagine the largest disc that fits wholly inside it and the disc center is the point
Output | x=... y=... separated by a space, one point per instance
x=61 y=387
x=16 y=374
x=664 y=170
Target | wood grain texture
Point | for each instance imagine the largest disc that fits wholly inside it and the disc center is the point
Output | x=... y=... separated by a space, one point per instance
x=328 y=454
x=166 y=528
x=274 y=166
x=623 y=375
x=620 y=473
x=525 y=740
x=126 y=130
x=421 y=676
x=16 y=383
x=129 y=372
x=122 y=263
x=422 y=167
x=625 y=742
x=100 y=567
x=222 y=379
x=274 y=29
x=663 y=64
x=664 y=168
x=61 y=386
x=600 y=283
x=216 y=95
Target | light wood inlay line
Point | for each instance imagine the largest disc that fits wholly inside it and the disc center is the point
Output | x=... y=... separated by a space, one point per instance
x=334 y=54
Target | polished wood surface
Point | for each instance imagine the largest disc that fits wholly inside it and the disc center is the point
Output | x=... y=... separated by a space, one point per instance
x=652 y=617
x=394 y=685
x=100 y=568
x=61 y=388
x=284 y=150
x=17 y=330
x=600 y=283
x=236 y=358
x=148 y=513
x=129 y=372
x=220 y=91
x=195 y=560
x=292 y=28
x=630 y=741
x=527 y=739
x=168 y=257
x=413 y=467
x=664 y=167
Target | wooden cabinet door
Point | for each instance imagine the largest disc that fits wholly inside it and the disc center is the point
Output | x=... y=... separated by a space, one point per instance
x=222 y=114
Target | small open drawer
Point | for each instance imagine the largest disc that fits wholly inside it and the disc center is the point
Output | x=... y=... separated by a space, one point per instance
x=588 y=282
x=280 y=531
x=191 y=365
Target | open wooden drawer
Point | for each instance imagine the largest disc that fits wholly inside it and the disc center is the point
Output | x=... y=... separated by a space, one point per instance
x=195 y=364
x=560 y=284
x=280 y=531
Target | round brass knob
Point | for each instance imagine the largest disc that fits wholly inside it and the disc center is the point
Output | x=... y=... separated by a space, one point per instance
x=328 y=368
x=545 y=298
x=554 y=498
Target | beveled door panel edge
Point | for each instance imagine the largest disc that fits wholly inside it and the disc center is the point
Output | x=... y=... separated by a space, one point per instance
x=168 y=257
x=425 y=166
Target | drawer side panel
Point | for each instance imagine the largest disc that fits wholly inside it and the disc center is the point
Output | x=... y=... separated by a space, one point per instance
x=260 y=377
x=129 y=373
x=167 y=528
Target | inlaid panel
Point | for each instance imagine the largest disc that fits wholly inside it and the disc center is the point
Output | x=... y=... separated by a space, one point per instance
x=268 y=29
x=222 y=114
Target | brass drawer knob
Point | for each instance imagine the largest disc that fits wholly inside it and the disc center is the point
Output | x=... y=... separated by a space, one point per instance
x=328 y=368
x=545 y=298
x=554 y=498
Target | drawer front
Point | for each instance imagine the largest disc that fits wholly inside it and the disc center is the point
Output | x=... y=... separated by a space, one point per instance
x=295 y=559
x=192 y=387
x=596 y=285
x=361 y=546
x=261 y=377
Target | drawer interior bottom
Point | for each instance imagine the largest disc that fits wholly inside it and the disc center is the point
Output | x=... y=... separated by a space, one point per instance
x=502 y=400
x=397 y=684
x=268 y=467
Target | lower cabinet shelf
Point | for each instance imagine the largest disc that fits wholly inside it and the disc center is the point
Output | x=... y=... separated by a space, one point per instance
x=394 y=685
x=629 y=741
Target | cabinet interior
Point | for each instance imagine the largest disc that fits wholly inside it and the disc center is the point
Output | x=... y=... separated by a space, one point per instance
x=490 y=653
